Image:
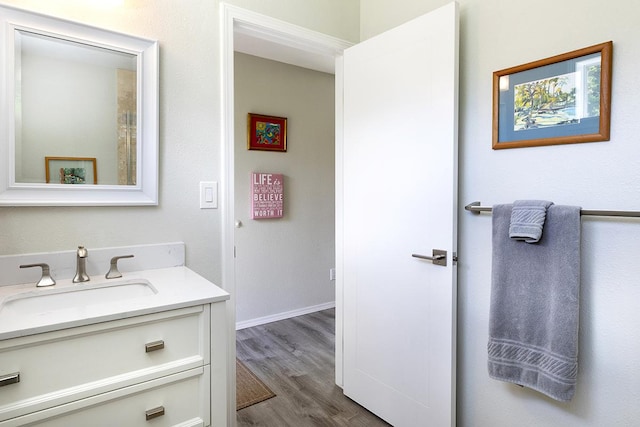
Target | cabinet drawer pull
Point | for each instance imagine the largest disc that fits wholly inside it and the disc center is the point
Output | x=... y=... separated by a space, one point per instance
x=154 y=413
x=9 y=379
x=153 y=346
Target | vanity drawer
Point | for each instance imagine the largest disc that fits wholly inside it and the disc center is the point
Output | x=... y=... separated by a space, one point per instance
x=62 y=366
x=179 y=399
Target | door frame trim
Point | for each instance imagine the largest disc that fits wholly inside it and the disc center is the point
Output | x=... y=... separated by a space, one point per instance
x=235 y=19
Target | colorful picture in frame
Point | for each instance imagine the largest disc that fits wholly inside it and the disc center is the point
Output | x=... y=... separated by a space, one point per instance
x=268 y=133
x=71 y=170
x=73 y=176
x=565 y=99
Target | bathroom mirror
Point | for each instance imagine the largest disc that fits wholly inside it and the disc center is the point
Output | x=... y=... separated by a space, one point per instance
x=79 y=114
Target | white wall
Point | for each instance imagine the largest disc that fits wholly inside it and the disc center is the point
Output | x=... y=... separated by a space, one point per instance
x=497 y=34
x=188 y=32
x=338 y=18
x=282 y=265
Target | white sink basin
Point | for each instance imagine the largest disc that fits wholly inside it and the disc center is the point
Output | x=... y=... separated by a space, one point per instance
x=79 y=296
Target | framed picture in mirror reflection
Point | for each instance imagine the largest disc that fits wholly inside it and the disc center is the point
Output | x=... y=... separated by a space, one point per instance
x=71 y=170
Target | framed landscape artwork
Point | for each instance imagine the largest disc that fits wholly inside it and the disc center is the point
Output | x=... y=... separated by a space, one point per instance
x=564 y=99
x=71 y=170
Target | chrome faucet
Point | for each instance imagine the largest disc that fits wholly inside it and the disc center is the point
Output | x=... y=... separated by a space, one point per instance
x=45 y=279
x=81 y=269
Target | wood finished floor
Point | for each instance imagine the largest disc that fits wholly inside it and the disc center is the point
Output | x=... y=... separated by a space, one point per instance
x=295 y=358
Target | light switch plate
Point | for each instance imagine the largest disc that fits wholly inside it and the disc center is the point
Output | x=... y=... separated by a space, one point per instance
x=208 y=195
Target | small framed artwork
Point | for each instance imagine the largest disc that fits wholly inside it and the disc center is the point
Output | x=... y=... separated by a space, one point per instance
x=565 y=99
x=267 y=133
x=71 y=170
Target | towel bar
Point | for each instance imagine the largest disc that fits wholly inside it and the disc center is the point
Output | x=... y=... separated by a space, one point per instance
x=476 y=207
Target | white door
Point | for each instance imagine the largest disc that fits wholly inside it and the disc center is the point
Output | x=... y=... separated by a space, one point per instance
x=400 y=198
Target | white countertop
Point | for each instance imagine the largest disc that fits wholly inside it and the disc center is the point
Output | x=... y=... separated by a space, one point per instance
x=177 y=287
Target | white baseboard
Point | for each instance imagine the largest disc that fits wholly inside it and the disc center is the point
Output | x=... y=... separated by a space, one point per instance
x=281 y=316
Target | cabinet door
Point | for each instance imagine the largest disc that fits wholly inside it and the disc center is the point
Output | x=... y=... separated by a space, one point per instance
x=179 y=399
x=59 y=367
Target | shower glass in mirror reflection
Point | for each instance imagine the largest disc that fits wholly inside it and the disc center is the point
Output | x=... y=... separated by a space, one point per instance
x=74 y=98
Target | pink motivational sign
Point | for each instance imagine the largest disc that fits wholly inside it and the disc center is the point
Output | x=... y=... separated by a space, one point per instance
x=267 y=195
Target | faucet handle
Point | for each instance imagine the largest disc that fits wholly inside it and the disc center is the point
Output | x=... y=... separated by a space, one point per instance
x=113 y=272
x=46 y=279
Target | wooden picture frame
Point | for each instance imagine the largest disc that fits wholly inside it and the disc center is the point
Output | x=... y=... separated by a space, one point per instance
x=71 y=170
x=565 y=99
x=267 y=133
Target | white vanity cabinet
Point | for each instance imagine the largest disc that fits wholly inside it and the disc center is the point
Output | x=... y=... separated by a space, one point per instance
x=147 y=370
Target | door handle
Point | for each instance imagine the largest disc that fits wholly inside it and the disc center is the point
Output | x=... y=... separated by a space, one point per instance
x=438 y=257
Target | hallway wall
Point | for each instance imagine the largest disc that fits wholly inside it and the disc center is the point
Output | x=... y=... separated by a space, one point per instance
x=282 y=264
x=498 y=34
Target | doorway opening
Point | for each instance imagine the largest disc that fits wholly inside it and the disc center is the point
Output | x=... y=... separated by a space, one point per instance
x=269 y=38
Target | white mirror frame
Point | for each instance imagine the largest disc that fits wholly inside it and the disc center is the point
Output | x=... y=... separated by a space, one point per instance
x=145 y=192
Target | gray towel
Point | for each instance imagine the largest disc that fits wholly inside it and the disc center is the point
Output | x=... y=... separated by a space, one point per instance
x=527 y=219
x=533 y=321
